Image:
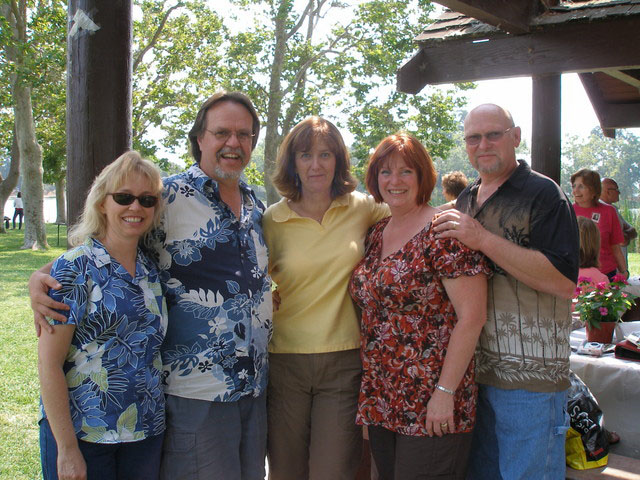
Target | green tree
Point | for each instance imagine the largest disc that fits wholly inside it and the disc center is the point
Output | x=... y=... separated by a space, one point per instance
x=29 y=49
x=52 y=135
x=175 y=64
x=294 y=61
x=617 y=158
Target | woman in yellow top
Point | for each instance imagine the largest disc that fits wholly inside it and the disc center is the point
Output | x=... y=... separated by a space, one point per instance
x=315 y=236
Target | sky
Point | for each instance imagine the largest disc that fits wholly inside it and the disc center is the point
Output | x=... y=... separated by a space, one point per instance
x=514 y=94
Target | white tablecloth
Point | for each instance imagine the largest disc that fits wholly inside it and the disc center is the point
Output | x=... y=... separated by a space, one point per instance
x=616 y=385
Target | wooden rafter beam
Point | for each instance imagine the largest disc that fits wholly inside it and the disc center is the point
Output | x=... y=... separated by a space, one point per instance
x=623 y=77
x=610 y=115
x=512 y=16
x=603 y=45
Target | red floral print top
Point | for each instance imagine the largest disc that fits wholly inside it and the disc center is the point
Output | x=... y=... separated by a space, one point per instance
x=407 y=319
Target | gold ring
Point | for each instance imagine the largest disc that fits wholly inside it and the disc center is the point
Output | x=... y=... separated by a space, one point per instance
x=445 y=424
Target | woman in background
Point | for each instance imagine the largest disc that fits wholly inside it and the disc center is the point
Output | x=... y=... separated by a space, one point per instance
x=100 y=372
x=315 y=236
x=586 y=188
x=18 y=211
x=423 y=304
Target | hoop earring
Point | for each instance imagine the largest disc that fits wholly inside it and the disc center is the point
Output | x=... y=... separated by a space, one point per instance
x=298 y=183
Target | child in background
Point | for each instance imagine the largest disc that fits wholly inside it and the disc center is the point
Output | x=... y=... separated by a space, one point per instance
x=590 y=251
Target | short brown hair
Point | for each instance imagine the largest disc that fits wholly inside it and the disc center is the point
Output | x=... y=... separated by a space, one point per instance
x=415 y=156
x=591 y=179
x=301 y=139
x=454 y=183
x=589 y=243
x=200 y=124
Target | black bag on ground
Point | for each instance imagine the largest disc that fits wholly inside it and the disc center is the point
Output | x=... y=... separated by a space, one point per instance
x=591 y=450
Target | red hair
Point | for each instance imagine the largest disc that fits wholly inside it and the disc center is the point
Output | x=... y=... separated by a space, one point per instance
x=414 y=155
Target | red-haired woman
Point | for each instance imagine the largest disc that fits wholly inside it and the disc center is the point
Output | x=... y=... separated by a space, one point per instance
x=423 y=304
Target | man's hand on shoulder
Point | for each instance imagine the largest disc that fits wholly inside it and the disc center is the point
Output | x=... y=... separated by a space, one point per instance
x=455 y=224
x=41 y=303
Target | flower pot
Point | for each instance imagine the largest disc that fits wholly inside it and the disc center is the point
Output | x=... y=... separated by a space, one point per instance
x=604 y=334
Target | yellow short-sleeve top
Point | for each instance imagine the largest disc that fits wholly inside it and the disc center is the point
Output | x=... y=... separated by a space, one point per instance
x=311 y=263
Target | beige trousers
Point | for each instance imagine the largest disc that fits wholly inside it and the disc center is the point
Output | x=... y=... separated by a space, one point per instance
x=311 y=410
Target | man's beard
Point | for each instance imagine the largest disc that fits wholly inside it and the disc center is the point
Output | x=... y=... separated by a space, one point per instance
x=228 y=175
x=224 y=175
x=495 y=167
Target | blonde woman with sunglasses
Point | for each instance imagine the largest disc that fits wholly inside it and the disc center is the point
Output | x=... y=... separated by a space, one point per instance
x=102 y=414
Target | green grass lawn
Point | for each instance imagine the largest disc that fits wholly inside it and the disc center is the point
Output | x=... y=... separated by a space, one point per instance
x=634 y=264
x=19 y=451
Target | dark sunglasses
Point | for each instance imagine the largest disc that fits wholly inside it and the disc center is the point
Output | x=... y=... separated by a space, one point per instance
x=147 y=201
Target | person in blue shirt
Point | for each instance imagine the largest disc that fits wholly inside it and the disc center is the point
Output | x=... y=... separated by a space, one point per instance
x=213 y=261
x=103 y=414
x=213 y=256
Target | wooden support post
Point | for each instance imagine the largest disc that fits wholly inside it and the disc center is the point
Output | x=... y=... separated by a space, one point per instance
x=546 y=135
x=98 y=92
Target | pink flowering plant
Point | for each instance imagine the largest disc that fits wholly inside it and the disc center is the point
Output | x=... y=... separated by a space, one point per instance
x=602 y=302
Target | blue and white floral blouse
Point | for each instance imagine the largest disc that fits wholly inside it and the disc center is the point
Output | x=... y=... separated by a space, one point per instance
x=214 y=267
x=113 y=368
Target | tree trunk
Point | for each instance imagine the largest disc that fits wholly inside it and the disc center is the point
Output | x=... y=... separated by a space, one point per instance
x=274 y=107
x=8 y=184
x=61 y=204
x=35 y=235
x=98 y=94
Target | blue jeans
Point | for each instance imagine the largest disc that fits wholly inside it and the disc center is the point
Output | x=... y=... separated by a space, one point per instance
x=105 y=461
x=519 y=435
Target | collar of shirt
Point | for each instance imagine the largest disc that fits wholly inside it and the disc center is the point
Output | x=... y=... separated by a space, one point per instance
x=282 y=212
x=102 y=258
x=209 y=188
x=517 y=179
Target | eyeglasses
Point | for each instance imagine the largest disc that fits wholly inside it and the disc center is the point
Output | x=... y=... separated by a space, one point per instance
x=492 y=137
x=146 y=201
x=243 y=136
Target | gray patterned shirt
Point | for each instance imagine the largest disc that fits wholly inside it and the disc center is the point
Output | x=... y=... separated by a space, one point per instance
x=525 y=342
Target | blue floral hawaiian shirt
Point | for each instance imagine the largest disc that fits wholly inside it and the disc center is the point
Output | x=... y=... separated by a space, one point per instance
x=218 y=291
x=113 y=368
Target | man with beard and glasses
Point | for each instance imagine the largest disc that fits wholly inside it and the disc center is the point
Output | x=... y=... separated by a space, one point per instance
x=213 y=260
x=524 y=223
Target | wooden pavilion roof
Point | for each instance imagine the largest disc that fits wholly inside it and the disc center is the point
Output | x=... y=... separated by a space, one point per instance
x=489 y=39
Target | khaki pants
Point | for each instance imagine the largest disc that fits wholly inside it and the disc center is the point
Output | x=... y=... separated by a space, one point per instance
x=405 y=457
x=311 y=410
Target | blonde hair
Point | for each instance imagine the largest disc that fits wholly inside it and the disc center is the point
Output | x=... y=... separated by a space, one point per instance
x=92 y=222
x=589 y=243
